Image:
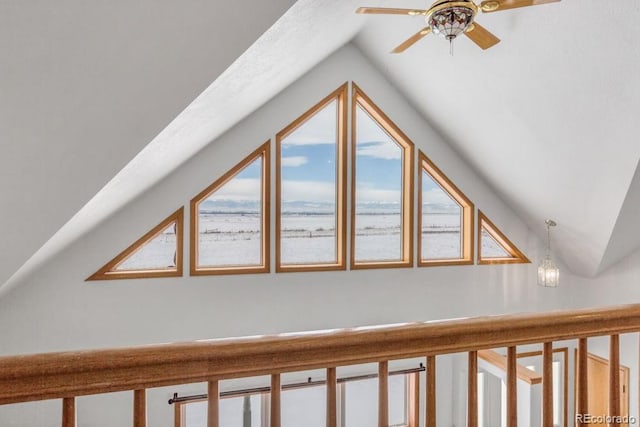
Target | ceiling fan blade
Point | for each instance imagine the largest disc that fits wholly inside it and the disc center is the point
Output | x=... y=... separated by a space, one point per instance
x=481 y=36
x=498 y=5
x=411 y=40
x=390 y=11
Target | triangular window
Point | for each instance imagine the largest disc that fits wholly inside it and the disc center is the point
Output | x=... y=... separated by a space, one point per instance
x=494 y=247
x=445 y=219
x=156 y=254
x=231 y=220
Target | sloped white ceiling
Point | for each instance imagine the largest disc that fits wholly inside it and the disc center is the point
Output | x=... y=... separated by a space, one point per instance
x=548 y=116
x=94 y=84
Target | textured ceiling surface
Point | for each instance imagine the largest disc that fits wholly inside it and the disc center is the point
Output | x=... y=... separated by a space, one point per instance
x=548 y=116
x=91 y=94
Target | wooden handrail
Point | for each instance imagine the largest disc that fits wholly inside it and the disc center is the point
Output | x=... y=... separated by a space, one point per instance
x=60 y=375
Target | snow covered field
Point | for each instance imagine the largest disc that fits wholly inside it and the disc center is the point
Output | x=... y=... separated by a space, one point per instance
x=232 y=239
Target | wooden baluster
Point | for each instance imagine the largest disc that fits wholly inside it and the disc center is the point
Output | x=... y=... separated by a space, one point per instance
x=332 y=398
x=383 y=394
x=583 y=398
x=69 y=412
x=472 y=390
x=140 y=408
x=547 y=385
x=414 y=400
x=275 y=400
x=614 y=377
x=512 y=388
x=431 y=392
x=213 y=400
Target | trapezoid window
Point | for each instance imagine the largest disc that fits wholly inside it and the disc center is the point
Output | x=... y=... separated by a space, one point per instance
x=230 y=220
x=445 y=219
x=382 y=189
x=310 y=192
x=156 y=254
x=494 y=247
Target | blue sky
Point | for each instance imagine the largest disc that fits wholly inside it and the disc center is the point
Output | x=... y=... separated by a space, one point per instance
x=309 y=165
x=309 y=160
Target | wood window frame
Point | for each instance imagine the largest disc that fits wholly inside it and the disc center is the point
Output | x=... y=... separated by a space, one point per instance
x=517 y=257
x=263 y=152
x=360 y=98
x=108 y=272
x=466 y=205
x=340 y=95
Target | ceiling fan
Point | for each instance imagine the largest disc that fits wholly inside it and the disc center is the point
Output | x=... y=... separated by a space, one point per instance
x=449 y=19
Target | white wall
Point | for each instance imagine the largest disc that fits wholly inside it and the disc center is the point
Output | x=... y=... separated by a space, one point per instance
x=55 y=309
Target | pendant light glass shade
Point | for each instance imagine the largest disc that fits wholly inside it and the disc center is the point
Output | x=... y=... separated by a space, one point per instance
x=548 y=271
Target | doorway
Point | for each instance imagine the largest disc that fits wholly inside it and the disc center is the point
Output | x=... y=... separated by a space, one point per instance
x=598 y=387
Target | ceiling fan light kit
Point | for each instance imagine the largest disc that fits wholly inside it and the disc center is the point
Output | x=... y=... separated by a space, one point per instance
x=449 y=19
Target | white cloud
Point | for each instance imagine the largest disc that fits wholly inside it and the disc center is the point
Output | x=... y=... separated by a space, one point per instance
x=294 y=161
x=308 y=191
x=319 y=129
x=381 y=150
x=368 y=129
x=239 y=189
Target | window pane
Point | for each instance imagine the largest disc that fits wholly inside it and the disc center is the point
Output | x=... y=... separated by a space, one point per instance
x=304 y=407
x=232 y=412
x=441 y=222
x=491 y=248
x=378 y=176
x=157 y=254
x=230 y=221
x=361 y=402
x=308 y=191
x=398 y=407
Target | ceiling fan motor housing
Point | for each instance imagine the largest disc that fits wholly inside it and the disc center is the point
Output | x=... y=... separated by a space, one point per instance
x=450 y=18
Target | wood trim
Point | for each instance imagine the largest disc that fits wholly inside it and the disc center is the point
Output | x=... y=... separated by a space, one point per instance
x=581 y=380
x=468 y=213
x=383 y=394
x=340 y=95
x=431 y=405
x=109 y=272
x=332 y=397
x=565 y=385
x=500 y=361
x=413 y=399
x=57 y=375
x=178 y=415
x=512 y=388
x=139 y=408
x=358 y=97
x=614 y=376
x=264 y=153
x=276 y=392
x=472 y=390
x=213 y=403
x=69 y=412
x=547 y=385
x=517 y=257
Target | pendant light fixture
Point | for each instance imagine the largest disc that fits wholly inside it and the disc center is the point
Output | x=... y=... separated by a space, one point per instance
x=548 y=272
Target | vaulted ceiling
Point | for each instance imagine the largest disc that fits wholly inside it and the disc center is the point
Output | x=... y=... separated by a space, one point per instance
x=96 y=105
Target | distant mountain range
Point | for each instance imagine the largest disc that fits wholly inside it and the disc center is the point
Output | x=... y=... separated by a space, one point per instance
x=302 y=207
